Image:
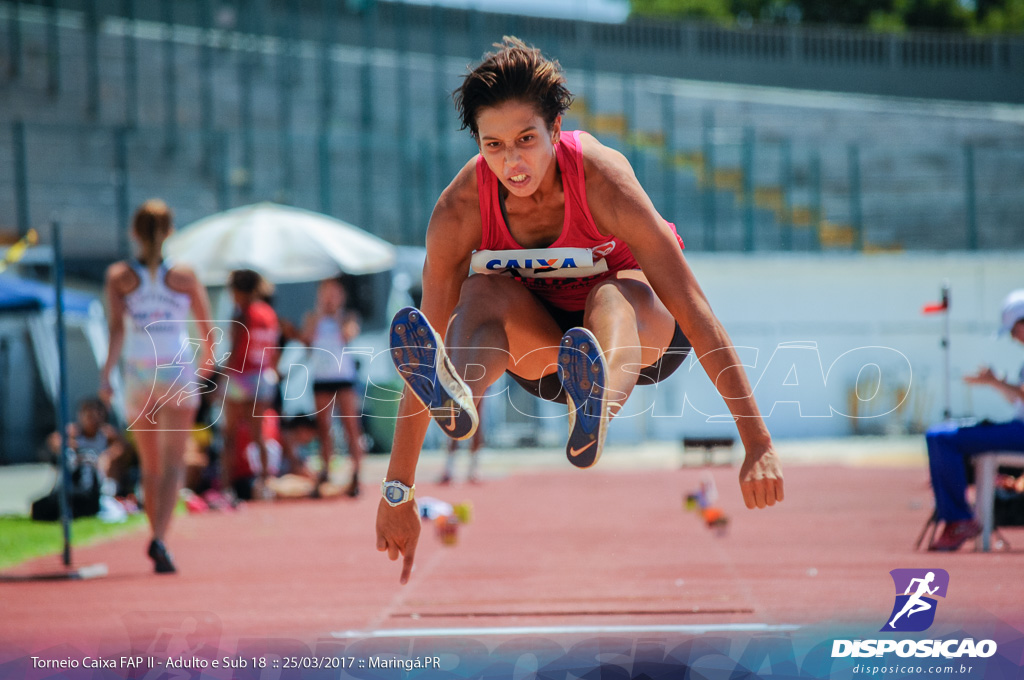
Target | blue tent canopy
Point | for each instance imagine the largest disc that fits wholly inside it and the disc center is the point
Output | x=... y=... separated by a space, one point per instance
x=18 y=294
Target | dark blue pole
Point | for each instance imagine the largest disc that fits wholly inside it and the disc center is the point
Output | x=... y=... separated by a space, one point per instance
x=92 y=60
x=131 y=68
x=406 y=151
x=14 y=39
x=748 y=189
x=20 y=159
x=52 y=49
x=786 y=182
x=286 y=33
x=710 y=212
x=668 y=167
x=856 y=213
x=367 y=137
x=121 y=188
x=206 y=84
x=324 y=156
x=170 y=79
x=971 y=196
x=246 y=66
x=62 y=402
x=817 y=205
x=443 y=102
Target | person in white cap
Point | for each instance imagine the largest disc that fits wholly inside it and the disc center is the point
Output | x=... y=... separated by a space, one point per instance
x=950 y=445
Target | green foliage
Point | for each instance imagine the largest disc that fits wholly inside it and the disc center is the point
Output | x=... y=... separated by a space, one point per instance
x=940 y=14
x=886 y=22
x=850 y=12
x=891 y=16
x=712 y=10
x=1001 y=16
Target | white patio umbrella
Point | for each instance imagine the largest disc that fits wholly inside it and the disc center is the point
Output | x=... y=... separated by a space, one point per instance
x=284 y=244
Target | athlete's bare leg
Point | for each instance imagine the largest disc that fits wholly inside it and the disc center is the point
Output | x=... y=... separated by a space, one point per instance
x=229 y=437
x=498 y=325
x=240 y=414
x=632 y=326
x=162 y=458
x=324 y=412
x=498 y=322
x=347 y=404
x=253 y=421
x=147 y=443
x=176 y=424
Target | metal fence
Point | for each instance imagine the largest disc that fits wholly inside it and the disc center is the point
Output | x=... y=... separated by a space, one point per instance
x=670 y=48
x=348 y=112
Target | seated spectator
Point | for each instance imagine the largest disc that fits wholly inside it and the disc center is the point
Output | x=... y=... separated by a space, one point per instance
x=94 y=446
x=950 y=446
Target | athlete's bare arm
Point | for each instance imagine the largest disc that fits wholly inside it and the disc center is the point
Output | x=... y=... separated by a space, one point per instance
x=452 y=235
x=986 y=376
x=350 y=326
x=118 y=282
x=622 y=208
x=309 y=322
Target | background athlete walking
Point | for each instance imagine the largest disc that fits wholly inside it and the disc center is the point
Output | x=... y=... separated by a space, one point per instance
x=150 y=303
x=612 y=294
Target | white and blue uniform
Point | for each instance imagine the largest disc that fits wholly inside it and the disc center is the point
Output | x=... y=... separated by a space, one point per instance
x=156 y=335
x=328 y=374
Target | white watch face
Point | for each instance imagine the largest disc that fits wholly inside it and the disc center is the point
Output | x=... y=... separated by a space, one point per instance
x=394 y=493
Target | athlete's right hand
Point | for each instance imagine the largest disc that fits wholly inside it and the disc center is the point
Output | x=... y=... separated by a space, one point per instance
x=398 y=532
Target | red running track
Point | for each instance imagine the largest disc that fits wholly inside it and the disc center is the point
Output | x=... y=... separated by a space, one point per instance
x=557 y=547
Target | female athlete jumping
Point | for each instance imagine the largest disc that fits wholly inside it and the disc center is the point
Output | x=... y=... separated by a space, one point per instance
x=578 y=282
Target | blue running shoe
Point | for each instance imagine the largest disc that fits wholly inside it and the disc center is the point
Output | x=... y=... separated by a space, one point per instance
x=418 y=353
x=582 y=370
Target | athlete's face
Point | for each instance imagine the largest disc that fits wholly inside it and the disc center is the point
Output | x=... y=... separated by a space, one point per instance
x=517 y=145
x=332 y=296
x=89 y=419
x=239 y=298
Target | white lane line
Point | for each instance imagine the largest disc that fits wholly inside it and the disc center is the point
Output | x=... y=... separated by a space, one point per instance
x=691 y=629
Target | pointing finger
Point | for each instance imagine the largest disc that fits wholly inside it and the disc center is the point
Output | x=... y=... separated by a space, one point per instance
x=410 y=555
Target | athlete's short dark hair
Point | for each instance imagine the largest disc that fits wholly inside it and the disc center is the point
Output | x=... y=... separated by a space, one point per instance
x=250 y=282
x=93 y=404
x=515 y=72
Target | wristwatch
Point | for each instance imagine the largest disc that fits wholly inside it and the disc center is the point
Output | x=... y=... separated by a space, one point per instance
x=396 y=493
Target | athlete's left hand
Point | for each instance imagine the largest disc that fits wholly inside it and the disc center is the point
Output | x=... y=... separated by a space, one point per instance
x=761 y=479
x=398 y=532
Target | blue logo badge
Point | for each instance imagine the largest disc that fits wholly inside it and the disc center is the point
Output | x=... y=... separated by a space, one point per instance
x=915 y=605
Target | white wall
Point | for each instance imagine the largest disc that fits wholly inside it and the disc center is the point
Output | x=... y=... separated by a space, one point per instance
x=840 y=303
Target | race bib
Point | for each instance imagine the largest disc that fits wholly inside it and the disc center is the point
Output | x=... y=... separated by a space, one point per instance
x=539 y=263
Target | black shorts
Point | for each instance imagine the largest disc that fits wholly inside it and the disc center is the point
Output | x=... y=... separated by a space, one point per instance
x=549 y=387
x=332 y=386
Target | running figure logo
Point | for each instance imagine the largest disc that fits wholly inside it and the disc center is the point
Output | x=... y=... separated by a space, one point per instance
x=914 y=610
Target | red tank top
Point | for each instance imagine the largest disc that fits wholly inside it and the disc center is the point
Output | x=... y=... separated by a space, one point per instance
x=581 y=257
x=262 y=328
